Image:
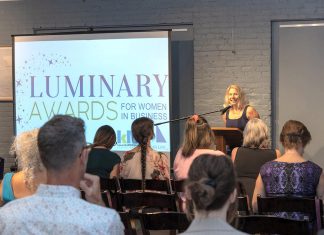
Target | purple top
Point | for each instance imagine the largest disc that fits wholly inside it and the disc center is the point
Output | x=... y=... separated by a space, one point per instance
x=290 y=179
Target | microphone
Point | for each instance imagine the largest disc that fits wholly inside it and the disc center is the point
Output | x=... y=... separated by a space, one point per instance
x=222 y=111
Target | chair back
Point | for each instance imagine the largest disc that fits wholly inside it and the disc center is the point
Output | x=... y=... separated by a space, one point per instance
x=178 y=186
x=126 y=220
x=109 y=184
x=267 y=224
x=163 y=221
x=243 y=207
x=1 y=168
x=140 y=200
x=150 y=184
x=311 y=207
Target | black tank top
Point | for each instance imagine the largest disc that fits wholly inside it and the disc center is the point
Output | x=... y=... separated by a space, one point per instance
x=249 y=161
x=239 y=122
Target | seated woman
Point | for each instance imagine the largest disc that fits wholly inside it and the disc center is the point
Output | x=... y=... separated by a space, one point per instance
x=211 y=187
x=31 y=170
x=255 y=151
x=198 y=139
x=240 y=112
x=102 y=161
x=291 y=174
x=143 y=162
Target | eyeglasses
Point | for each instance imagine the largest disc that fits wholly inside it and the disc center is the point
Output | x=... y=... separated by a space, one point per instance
x=87 y=146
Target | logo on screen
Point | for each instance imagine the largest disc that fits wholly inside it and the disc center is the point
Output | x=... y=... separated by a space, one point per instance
x=127 y=138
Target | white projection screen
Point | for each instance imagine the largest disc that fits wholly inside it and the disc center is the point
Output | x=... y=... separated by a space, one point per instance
x=103 y=78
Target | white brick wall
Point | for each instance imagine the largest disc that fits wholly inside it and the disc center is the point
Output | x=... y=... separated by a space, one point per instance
x=214 y=22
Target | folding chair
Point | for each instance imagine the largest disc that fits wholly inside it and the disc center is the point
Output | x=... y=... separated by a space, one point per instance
x=311 y=207
x=163 y=221
x=150 y=184
x=267 y=224
x=243 y=205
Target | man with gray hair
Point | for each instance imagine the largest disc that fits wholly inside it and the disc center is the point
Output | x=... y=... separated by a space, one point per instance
x=56 y=207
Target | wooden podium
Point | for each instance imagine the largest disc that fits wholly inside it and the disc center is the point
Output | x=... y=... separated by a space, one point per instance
x=233 y=137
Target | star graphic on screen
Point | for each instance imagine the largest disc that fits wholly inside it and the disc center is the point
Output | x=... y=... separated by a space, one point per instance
x=18 y=83
x=19 y=119
x=50 y=62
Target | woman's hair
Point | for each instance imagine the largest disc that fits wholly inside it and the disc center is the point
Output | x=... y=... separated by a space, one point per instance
x=142 y=130
x=242 y=98
x=256 y=134
x=105 y=136
x=198 y=135
x=294 y=133
x=211 y=180
x=24 y=147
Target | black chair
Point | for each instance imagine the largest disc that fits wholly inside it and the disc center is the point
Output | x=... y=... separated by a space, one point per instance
x=150 y=184
x=163 y=221
x=267 y=224
x=311 y=207
x=109 y=188
x=1 y=168
x=109 y=184
x=126 y=220
x=243 y=207
x=140 y=200
x=178 y=185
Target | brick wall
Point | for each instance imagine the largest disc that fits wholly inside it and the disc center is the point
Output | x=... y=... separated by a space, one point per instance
x=232 y=39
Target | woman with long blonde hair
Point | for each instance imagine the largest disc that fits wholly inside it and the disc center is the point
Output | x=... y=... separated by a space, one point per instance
x=240 y=112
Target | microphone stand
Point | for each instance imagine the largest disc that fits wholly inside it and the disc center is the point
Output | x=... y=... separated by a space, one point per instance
x=223 y=110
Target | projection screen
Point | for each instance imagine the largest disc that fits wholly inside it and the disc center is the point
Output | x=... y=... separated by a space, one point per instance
x=103 y=78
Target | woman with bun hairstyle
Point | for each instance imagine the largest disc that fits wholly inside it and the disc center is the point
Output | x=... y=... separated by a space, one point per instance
x=143 y=162
x=211 y=188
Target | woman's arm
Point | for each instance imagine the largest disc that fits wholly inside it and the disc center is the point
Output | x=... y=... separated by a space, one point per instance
x=252 y=113
x=234 y=151
x=115 y=171
x=1 y=201
x=258 y=191
x=224 y=118
x=320 y=187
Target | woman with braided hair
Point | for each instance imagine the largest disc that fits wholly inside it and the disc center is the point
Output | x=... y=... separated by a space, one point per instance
x=143 y=162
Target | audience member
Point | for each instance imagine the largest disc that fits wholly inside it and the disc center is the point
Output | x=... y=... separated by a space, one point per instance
x=102 y=161
x=56 y=207
x=31 y=170
x=291 y=174
x=143 y=162
x=198 y=139
x=240 y=112
x=255 y=151
x=211 y=187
